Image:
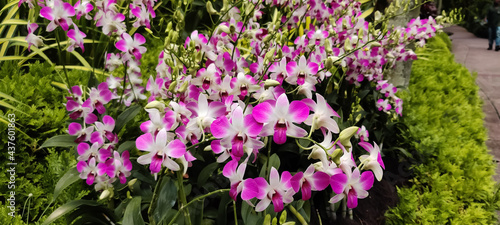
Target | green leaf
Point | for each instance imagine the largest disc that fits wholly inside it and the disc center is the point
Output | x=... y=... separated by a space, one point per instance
x=66 y=208
x=206 y=173
x=166 y=200
x=133 y=214
x=66 y=180
x=60 y=141
x=126 y=116
x=274 y=161
x=367 y=12
x=128 y=145
x=9 y=106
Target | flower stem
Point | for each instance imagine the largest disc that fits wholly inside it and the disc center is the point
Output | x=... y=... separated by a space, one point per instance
x=235 y=215
x=194 y=200
x=61 y=58
x=182 y=197
x=154 y=198
x=297 y=214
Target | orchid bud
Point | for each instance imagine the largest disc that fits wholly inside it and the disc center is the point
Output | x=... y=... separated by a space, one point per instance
x=328 y=46
x=329 y=63
x=347 y=44
x=225 y=5
x=267 y=39
x=178 y=15
x=172 y=86
x=346 y=134
x=270 y=54
x=175 y=36
x=105 y=194
x=279 y=54
x=232 y=28
x=224 y=28
x=156 y=105
x=336 y=155
x=375 y=44
x=211 y=9
x=183 y=87
x=270 y=83
x=378 y=15
x=318 y=166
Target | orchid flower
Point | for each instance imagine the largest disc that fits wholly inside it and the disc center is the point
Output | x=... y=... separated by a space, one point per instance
x=158 y=121
x=142 y=15
x=76 y=39
x=59 y=15
x=239 y=133
x=373 y=161
x=132 y=46
x=122 y=166
x=31 y=38
x=309 y=181
x=111 y=22
x=383 y=105
x=82 y=8
x=244 y=84
x=88 y=171
x=86 y=152
x=99 y=97
x=323 y=113
x=351 y=185
x=82 y=134
x=104 y=129
x=279 y=118
x=204 y=113
x=207 y=78
x=84 y=110
x=362 y=134
x=235 y=174
x=304 y=71
x=161 y=149
x=278 y=70
x=278 y=191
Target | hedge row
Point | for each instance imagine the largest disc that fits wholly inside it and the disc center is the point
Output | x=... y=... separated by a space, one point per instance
x=443 y=110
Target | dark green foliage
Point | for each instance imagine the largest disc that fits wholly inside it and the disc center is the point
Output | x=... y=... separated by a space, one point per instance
x=37 y=170
x=443 y=111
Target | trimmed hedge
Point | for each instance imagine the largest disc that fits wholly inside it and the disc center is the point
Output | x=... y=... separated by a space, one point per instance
x=443 y=111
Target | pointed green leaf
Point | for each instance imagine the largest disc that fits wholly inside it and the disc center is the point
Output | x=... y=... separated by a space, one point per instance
x=60 y=141
x=367 y=12
x=70 y=177
x=128 y=145
x=66 y=208
x=133 y=215
x=206 y=173
x=126 y=116
x=166 y=200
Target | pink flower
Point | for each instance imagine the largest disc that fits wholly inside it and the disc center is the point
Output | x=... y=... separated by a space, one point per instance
x=318 y=37
x=132 y=46
x=81 y=110
x=82 y=8
x=362 y=134
x=59 y=15
x=99 y=97
x=33 y=39
x=199 y=40
x=278 y=191
x=203 y=113
x=158 y=121
x=239 y=133
x=207 y=78
x=88 y=171
x=142 y=15
x=373 y=161
x=76 y=39
x=161 y=150
x=82 y=134
x=351 y=185
x=301 y=73
x=87 y=152
x=104 y=129
x=122 y=166
x=383 y=105
x=279 y=118
x=309 y=180
x=235 y=174
x=323 y=113
x=244 y=84
x=112 y=22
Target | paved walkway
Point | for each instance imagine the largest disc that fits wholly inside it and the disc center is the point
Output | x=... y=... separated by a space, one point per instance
x=471 y=51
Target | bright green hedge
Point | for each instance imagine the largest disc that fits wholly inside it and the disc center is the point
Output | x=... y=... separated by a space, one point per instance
x=443 y=110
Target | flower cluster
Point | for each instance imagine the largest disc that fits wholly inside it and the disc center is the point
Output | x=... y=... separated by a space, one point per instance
x=98 y=161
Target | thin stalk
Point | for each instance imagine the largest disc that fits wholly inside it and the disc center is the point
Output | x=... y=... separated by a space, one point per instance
x=61 y=58
x=155 y=197
x=235 y=215
x=194 y=200
x=182 y=197
x=297 y=214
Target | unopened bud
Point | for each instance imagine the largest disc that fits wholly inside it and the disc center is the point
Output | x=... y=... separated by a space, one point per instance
x=346 y=134
x=224 y=28
x=328 y=63
x=336 y=156
x=378 y=15
x=375 y=44
x=210 y=9
x=105 y=194
x=270 y=83
x=270 y=54
x=232 y=28
x=183 y=87
x=156 y=105
x=172 y=86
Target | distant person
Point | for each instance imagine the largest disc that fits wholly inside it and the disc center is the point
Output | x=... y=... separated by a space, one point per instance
x=493 y=19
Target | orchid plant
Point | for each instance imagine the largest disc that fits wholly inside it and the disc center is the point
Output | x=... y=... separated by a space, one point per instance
x=233 y=102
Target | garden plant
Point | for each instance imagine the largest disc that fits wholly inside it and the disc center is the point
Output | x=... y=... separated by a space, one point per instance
x=248 y=112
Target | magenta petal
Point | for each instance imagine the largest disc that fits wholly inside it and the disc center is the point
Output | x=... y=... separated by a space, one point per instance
x=176 y=148
x=90 y=179
x=216 y=147
x=262 y=112
x=295 y=181
x=96 y=137
x=321 y=180
x=277 y=202
x=145 y=126
x=338 y=182
x=250 y=189
x=74 y=128
x=380 y=161
x=80 y=166
x=352 y=199
x=254 y=67
x=230 y=168
x=82 y=148
x=121 y=45
x=299 y=111
x=306 y=191
x=71 y=34
x=139 y=38
x=220 y=127
x=46 y=12
x=366 y=180
x=70 y=11
x=64 y=24
x=156 y=162
x=101 y=169
x=144 y=141
x=367 y=146
x=279 y=134
x=313 y=68
x=91 y=118
x=252 y=126
x=108 y=120
x=290 y=67
x=261 y=185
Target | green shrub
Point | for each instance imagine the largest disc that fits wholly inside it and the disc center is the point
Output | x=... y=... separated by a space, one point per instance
x=443 y=111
